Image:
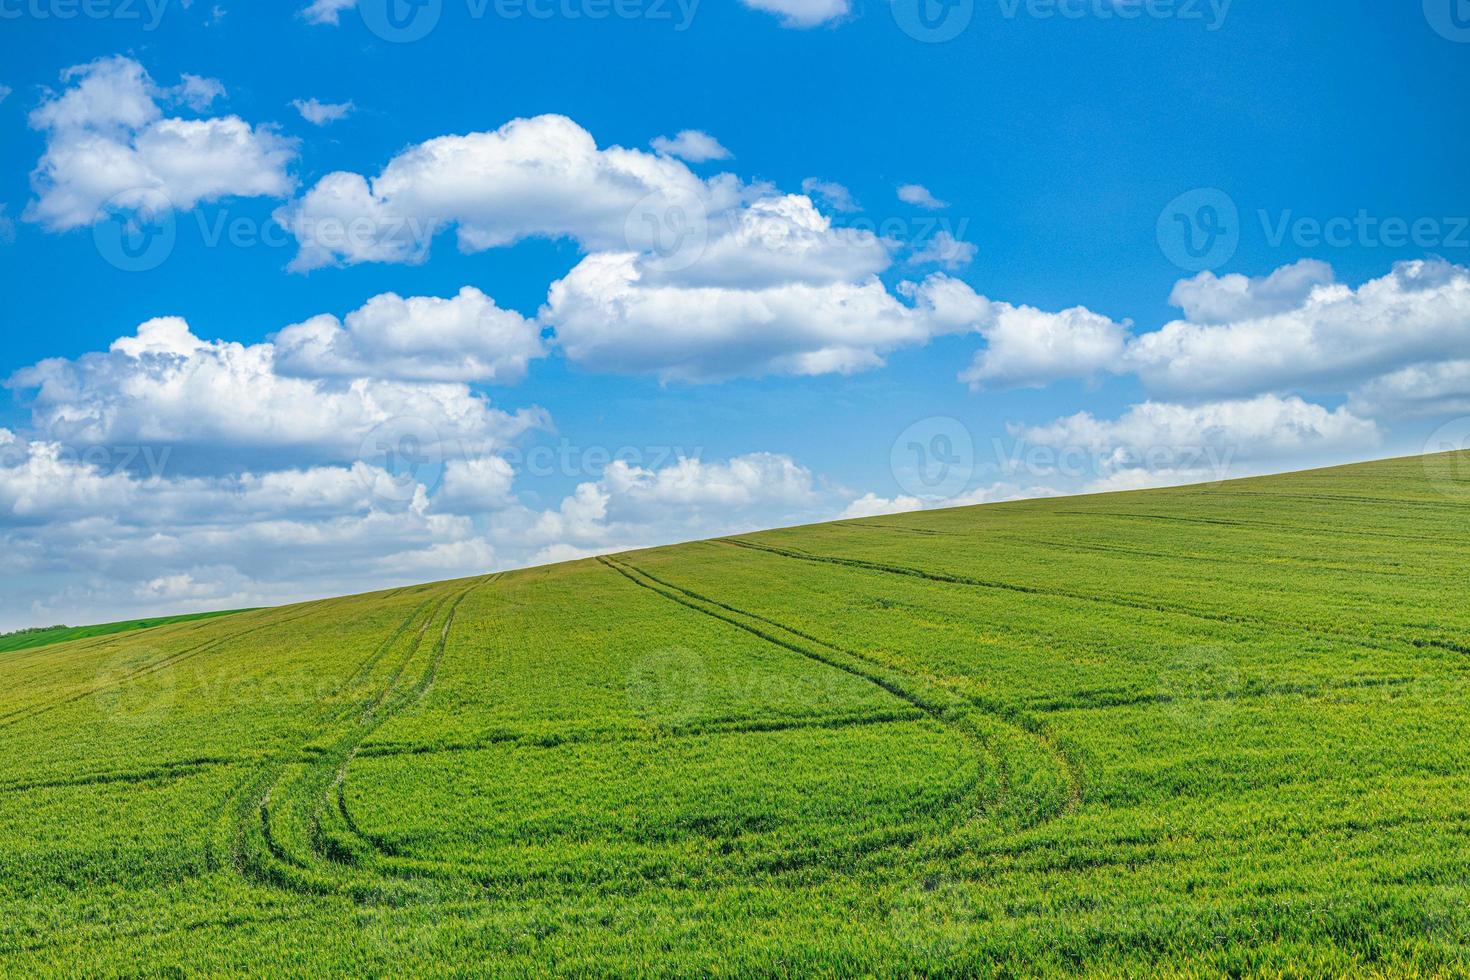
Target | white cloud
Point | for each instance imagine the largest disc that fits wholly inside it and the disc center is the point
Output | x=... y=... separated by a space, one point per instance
x=1158 y=442
x=5 y=91
x=110 y=148
x=327 y=11
x=87 y=545
x=918 y=195
x=610 y=317
x=777 y=290
x=475 y=485
x=7 y=227
x=210 y=399
x=196 y=92
x=320 y=113
x=692 y=145
x=831 y=193
x=1419 y=391
x=1210 y=299
x=872 y=505
x=540 y=177
x=631 y=506
x=946 y=250
x=802 y=13
x=1390 y=344
x=1030 y=348
x=422 y=338
x=1334 y=336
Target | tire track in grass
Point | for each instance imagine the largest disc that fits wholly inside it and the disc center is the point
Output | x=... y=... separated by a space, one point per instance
x=165 y=770
x=1307 y=530
x=294 y=867
x=1389 y=642
x=229 y=820
x=309 y=865
x=172 y=660
x=556 y=740
x=948 y=708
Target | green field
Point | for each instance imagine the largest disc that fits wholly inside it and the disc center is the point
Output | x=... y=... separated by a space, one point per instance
x=1192 y=731
x=27 y=639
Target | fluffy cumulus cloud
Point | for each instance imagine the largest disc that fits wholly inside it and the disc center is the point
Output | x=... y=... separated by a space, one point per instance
x=631 y=506
x=540 y=177
x=1160 y=442
x=918 y=195
x=422 y=338
x=110 y=148
x=802 y=13
x=1311 y=334
x=775 y=288
x=88 y=542
x=85 y=542
x=170 y=472
x=164 y=386
x=946 y=250
x=692 y=145
x=1212 y=299
x=832 y=194
x=685 y=278
x=327 y=11
x=1395 y=345
x=320 y=113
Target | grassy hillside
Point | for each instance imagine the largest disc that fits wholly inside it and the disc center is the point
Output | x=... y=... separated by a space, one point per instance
x=27 y=639
x=1196 y=730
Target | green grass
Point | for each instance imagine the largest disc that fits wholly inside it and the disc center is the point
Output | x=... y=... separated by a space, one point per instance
x=28 y=639
x=1183 y=732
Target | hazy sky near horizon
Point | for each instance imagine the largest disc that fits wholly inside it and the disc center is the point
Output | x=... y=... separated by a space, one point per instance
x=339 y=295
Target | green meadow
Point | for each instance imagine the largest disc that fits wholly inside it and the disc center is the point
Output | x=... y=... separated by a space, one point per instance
x=26 y=639
x=1217 y=729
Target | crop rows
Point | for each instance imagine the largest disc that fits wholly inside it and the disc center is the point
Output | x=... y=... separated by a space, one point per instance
x=1197 y=731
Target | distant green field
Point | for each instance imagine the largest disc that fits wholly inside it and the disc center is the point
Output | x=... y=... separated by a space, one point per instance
x=1198 y=731
x=61 y=634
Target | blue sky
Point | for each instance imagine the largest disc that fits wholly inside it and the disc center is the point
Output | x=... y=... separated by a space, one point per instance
x=1056 y=137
